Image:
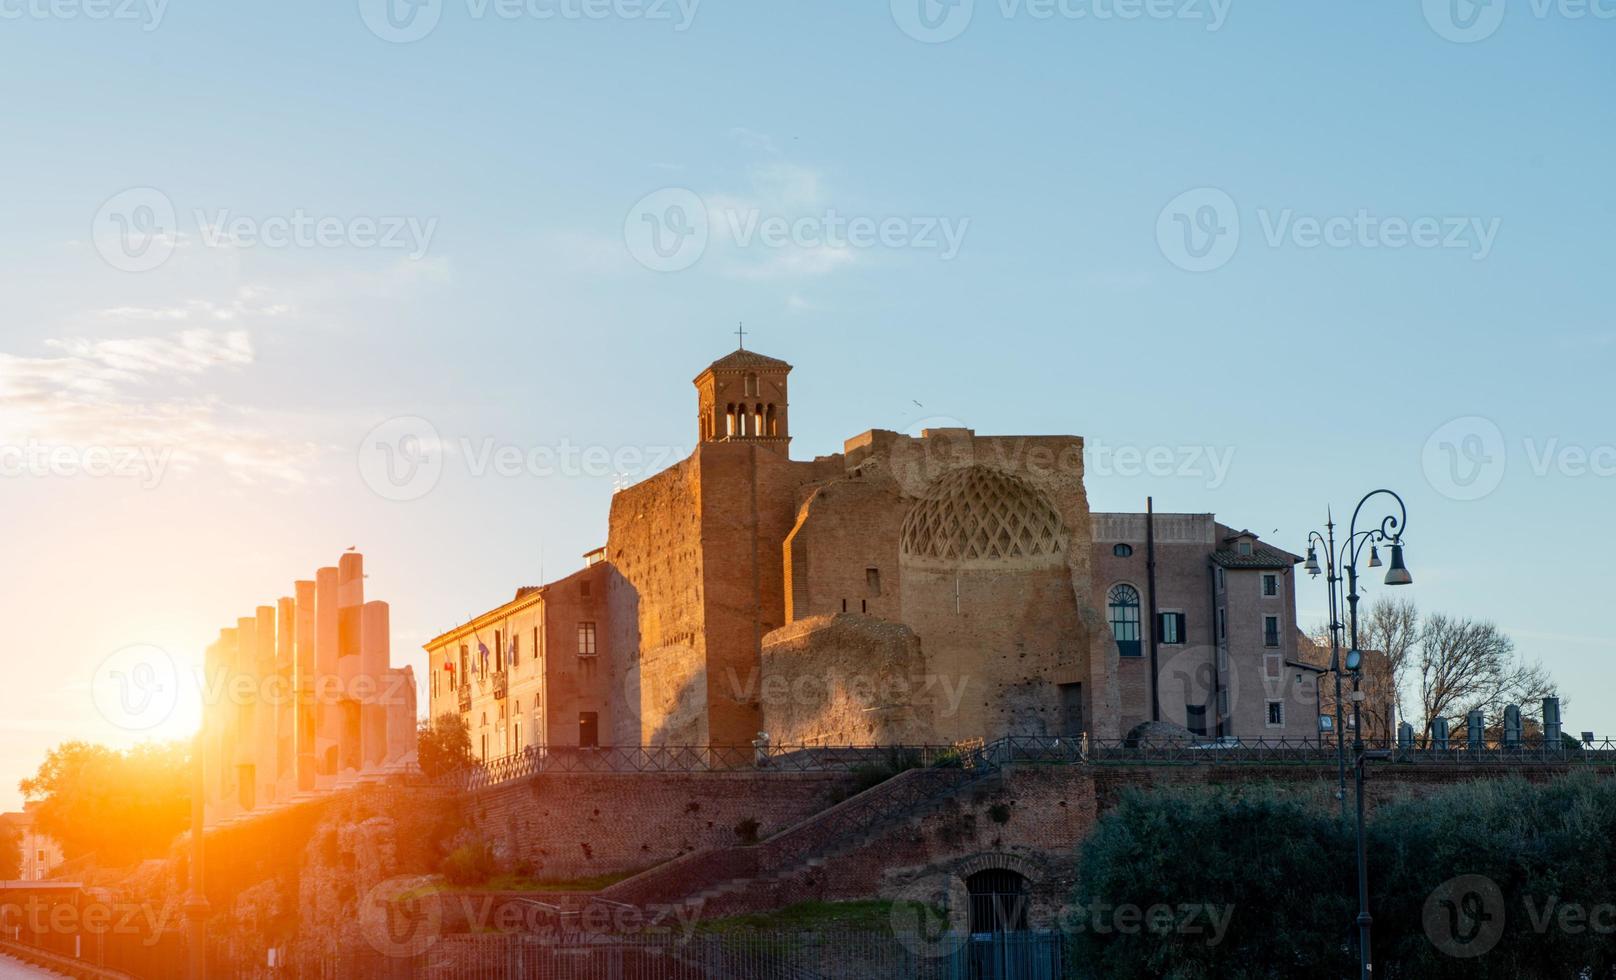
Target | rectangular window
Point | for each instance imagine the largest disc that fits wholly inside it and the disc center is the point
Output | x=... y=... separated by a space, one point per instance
x=1223 y=623
x=465 y=661
x=1171 y=628
x=1270 y=631
x=1270 y=584
x=499 y=651
x=1276 y=714
x=872 y=580
x=583 y=589
x=588 y=730
x=1273 y=666
x=516 y=648
x=586 y=639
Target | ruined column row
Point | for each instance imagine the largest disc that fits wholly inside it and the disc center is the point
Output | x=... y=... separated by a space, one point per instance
x=302 y=698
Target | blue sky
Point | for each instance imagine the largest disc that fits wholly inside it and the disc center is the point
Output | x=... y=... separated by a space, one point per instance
x=511 y=166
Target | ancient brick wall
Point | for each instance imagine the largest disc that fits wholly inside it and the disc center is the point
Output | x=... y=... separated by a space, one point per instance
x=578 y=825
x=846 y=679
x=655 y=621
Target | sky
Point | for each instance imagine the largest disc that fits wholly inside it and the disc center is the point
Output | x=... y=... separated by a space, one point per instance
x=431 y=279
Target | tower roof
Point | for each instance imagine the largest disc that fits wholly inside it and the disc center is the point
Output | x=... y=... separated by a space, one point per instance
x=746 y=360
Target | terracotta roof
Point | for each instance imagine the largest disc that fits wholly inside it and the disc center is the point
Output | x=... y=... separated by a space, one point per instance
x=743 y=359
x=1262 y=556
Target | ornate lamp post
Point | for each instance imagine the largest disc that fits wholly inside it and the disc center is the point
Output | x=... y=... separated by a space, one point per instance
x=1390 y=531
x=1333 y=582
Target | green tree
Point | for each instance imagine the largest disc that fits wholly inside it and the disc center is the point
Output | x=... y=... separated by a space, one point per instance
x=1164 y=868
x=1491 y=878
x=443 y=746
x=121 y=807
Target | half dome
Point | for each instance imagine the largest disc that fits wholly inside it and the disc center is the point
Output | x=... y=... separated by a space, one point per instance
x=985 y=517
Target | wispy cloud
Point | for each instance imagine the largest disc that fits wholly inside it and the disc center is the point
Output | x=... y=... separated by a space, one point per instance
x=151 y=392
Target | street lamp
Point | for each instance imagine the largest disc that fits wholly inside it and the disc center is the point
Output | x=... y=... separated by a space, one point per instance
x=1390 y=531
x=1333 y=581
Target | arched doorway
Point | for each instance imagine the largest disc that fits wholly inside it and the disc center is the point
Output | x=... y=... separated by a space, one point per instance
x=999 y=900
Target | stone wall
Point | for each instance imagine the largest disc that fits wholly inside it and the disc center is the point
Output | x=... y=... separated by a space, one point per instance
x=846 y=678
x=561 y=826
x=655 y=621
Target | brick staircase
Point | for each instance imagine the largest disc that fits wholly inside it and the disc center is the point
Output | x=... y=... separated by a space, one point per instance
x=703 y=877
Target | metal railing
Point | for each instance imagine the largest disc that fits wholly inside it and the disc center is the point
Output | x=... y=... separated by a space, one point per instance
x=1014 y=749
x=677 y=956
x=1257 y=751
x=700 y=758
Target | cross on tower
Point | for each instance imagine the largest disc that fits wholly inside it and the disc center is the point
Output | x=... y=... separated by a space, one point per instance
x=740 y=332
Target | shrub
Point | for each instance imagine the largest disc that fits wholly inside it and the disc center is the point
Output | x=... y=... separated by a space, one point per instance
x=469 y=864
x=1285 y=867
x=1270 y=876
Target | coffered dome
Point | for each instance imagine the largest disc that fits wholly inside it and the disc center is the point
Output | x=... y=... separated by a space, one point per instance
x=982 y=516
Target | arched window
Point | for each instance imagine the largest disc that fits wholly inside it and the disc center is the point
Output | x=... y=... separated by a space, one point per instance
x=729 y=420
x=757 y=420
x=1123 y=605
x=751 y=384
x=1123 y=551
x=999 y=900
x=770 y=421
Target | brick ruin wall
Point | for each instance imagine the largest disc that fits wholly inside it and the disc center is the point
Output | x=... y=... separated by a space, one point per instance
x=300 y=879
x=655 y=622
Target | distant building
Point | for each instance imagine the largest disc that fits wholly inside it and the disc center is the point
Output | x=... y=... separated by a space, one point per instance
x=1225 y=658
x=910 y=589
x=40 y=853
x=532 y=673
x=1378 y=709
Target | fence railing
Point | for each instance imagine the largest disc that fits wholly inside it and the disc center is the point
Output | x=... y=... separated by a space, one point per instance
x=697 y=758
x=1326 y=751
x=112 y=941
x=676 y=956
x=1030 y=749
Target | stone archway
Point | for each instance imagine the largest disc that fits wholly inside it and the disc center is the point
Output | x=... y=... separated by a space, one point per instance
x=995 y=890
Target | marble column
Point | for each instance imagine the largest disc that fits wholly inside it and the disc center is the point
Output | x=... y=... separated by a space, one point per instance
x=328 y=716
x=264 y=717
x=226 y=714
x=350 y=633
x=245 y=696
x=285 y=697
x=374 y=689
x=401 y=718
x=303 y=673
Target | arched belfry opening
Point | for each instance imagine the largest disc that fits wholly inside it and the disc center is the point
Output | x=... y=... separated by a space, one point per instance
x=742 y=397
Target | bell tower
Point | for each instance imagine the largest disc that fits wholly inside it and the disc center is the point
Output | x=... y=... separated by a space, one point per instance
x=741 y=397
